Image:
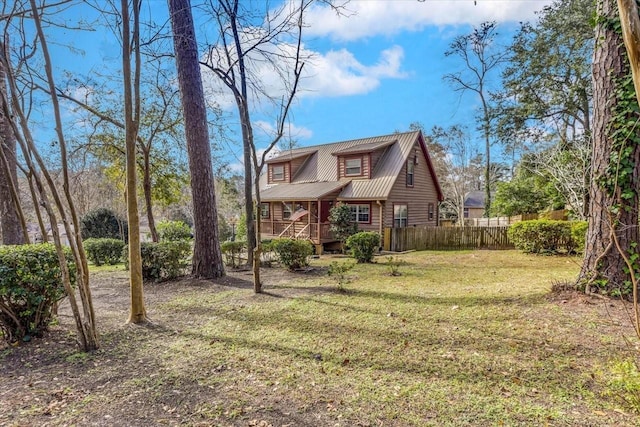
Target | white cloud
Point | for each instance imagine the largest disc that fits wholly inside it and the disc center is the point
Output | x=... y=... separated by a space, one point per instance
x=339 y=73
x=371 y=18
x=335 y=73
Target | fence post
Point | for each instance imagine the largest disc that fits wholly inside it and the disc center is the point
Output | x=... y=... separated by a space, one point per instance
x=386 y=245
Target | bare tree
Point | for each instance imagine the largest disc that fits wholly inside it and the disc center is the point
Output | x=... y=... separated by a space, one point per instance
x=480 y=57
x=235 y=58
x=207 y=256
x=456 y=174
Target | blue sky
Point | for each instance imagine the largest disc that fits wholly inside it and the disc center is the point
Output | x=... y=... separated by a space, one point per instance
x=381 y=68
x=373 y=72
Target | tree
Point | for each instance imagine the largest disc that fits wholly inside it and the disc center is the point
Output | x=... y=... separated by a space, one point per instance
x=546 y=85
x=12 y=224
x=207 y=256
x=613 y=227
x=481 y=56
x=526 y=193
x=544 y=106
x=341 y=222
x=13 y=104
x=567 y=170
x=458 y=172
x=160 y=164
x=131 y=81
x=242 y=49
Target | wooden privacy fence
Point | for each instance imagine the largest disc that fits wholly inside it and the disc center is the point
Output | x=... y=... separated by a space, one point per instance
x=445 y=238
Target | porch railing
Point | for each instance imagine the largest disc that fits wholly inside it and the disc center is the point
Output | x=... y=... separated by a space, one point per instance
x=314 y=231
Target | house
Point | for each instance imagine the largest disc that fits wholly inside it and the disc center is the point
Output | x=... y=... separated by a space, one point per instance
x=474 y=204
x=387 y=181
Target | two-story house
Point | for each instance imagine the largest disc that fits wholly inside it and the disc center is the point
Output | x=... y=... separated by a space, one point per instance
x=387 y=181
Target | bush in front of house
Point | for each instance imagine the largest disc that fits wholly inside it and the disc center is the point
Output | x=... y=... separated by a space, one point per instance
x=232 y=253
x=30 y=286
x=363 y=245
x=293 y=254
x=173 y=231
x=103 y=223
x=541 y=236
x=104 y=251
x=162 y=260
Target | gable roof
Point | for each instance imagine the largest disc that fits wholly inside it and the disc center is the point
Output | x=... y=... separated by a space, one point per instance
x=320 y=173
x=474 y=199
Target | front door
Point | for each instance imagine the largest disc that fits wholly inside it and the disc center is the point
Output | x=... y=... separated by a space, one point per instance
x=325 y=207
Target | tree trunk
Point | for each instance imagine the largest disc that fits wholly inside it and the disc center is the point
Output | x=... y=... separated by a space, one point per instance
x=11 y=228
x=207 y=256
x=137 y=311
x=148 y=203
x=603 y=268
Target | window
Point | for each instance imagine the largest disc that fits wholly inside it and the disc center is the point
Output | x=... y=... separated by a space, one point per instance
x=400 y=216
x=287 y=210
x=353 y=167
x=431 y=211
x=410 y=171
x=277 y=173
x=264 y=210
x=360 y=213
x=466 y=212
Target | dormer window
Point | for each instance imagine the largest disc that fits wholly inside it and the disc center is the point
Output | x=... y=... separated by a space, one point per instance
x=277 y=172
x=353 y=167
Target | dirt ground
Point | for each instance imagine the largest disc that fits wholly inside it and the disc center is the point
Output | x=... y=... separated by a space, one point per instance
x=50 y=382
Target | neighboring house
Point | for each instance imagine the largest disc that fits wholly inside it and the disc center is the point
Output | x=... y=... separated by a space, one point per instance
x=387 y=181
x=474 y=204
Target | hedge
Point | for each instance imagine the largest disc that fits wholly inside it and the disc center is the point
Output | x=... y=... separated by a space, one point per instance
x=30 y=287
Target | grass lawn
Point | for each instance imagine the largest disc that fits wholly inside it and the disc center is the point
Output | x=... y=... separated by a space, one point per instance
x=459 y=338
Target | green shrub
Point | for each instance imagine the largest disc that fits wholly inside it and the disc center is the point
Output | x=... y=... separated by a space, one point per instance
x=104 y=251
x=339 y=273
x=578 y=236
x=363 y=245
x=103 y=223
x=163 y=260
x=173 y=231
x=541 y=236
x=232 y=252
x=293 y=254
x=30 y=286
x=269 y=255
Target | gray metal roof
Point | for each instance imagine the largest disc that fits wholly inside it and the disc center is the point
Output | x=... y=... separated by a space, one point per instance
x=321 y=168
x=364 y=148
x=474 y=199
x=285 y=156
x=300 y=191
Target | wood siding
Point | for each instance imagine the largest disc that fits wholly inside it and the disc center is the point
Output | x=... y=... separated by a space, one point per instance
x=417 y=198
x=374 y=214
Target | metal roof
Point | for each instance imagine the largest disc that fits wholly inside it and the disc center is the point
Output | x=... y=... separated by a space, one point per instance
x=300 y=191
x=474 y=199
x=321 y=168
x=289 y=155
x=364 y=148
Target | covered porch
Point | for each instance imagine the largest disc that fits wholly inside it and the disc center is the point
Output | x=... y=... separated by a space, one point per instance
x=297 y=220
